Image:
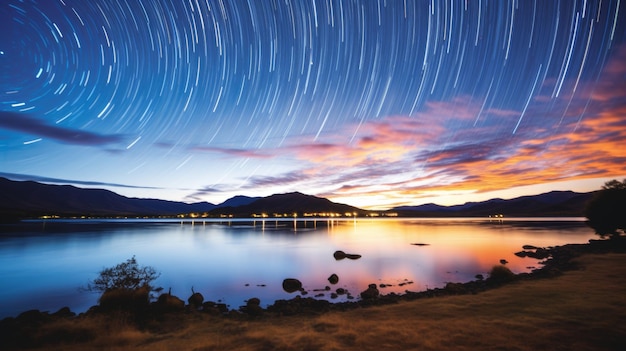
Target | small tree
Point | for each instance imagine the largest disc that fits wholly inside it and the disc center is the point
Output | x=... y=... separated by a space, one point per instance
x=125 y=276
x=606 y=211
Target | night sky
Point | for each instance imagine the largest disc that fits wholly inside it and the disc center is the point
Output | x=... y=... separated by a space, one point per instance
x=370 y=103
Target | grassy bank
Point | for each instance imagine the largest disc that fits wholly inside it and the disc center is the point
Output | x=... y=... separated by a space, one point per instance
x=583 y=309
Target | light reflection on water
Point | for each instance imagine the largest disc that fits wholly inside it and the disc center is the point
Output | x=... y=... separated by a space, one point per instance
x=43 y=264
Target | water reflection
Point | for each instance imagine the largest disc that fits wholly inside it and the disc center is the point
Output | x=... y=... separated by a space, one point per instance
x=42 y=264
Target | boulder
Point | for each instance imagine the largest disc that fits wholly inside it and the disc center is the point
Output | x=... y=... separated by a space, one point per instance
x=455 y=288
x=500 y=275
x=299 y=305
x=333 y=279
x=222 y=307
x=539 y=253
x=169 y=303
x=292 y=285
x=340 y=255
x=64 y=312
x=521 y=253
x=195 y=300
x=125 y=299
x=33 y=316
x=253 y=307
x=371 y=292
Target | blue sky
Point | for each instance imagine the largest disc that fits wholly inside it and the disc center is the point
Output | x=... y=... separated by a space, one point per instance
x=370 y=103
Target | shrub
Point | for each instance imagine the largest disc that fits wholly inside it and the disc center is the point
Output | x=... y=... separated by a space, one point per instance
x=125 y=299
x=125 y=276
x=606 y=211
x=126 y=286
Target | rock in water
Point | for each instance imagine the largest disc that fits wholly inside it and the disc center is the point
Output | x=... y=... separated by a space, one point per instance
x=340 y=255
x=292 y=285
x=333 y=279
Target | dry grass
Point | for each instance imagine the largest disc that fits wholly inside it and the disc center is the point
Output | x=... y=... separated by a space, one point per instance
x=580 y=310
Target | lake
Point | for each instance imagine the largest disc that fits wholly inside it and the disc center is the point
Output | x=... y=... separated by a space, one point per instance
x=44 y=264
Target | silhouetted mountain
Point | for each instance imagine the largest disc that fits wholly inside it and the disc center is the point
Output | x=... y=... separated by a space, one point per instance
x=28 y=198
x=238 y=200
x=20 y=199
x=552 y=204
x=288 y=204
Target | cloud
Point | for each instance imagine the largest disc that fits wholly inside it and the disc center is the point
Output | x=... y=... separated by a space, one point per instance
x=198 y=194
x=16 y=176
x=30 y=125
x=443 y=150
x=281 y=180
x=232 y=152
x=462 y=147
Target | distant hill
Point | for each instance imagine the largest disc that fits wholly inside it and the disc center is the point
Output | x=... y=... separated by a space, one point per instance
x=29 y=199
x=552 y=204
x=238 y=200
x=20 y=199
x=287 y=204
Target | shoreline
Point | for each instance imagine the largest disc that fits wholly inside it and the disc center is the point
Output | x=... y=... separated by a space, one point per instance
x=18 y=331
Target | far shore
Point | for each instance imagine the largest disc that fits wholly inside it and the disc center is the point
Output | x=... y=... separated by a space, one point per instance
x=577 y=302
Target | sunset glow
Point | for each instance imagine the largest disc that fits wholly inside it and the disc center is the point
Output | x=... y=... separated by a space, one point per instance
x=370 y=103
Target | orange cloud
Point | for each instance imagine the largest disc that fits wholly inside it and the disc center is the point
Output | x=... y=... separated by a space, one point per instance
x=456 y=157
x=442 y=150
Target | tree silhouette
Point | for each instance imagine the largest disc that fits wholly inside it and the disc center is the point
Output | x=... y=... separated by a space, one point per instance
x=606 y=211
x=126 y=275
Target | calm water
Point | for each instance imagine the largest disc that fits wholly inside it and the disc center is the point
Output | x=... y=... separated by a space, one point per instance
x=43 y=265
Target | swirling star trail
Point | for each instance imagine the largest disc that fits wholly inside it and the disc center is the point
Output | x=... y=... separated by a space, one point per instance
x=371 y=103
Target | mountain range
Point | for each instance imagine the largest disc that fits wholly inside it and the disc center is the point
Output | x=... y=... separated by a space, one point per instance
x=23 y=199
x=551 y=204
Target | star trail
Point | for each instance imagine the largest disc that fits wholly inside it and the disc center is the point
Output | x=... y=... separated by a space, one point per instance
x=371 y=103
